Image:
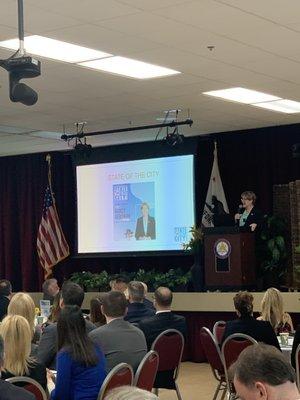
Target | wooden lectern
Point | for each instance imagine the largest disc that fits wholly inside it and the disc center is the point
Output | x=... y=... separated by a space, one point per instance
x=229 y=258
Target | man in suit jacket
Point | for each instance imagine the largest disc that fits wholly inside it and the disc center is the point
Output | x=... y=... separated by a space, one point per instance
x=145 y=225
x=261 y=331
x=50 y=289
x=119 y=340
x=71 y=295
x=163 y=319
x=5 y=296
x=7 y=390
x=137 y=309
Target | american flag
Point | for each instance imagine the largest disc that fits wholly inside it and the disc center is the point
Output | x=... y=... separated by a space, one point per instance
x=52 y=246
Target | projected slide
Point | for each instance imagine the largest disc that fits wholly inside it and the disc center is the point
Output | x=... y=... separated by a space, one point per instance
x=130 y=206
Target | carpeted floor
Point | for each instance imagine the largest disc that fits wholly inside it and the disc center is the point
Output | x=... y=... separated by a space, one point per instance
x=196 y=382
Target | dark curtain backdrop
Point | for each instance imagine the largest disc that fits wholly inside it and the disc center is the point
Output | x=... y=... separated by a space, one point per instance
x=248 y=160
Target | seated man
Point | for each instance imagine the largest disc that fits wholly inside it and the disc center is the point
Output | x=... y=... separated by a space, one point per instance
x=5 y=296
x=137 y=309
x=261 y=331
x=7 y=390
x=71 y=295
x=263 y=373
x=163 y=319
x=50 y=289
x=119 y=340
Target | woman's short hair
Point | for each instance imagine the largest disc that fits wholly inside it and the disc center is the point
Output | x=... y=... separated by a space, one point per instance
x=243 y=303
x=129 y=393
x=249 y=196
x=96 y=316
x=16 y=334
x=22 y=304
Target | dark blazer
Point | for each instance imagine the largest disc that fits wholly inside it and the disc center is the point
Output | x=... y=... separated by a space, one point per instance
x=4 y=302
x=160 y=322
x=296 y=342
x=261 y=331
x=138 y=311
x=12 y=392
x=255 y=217
x=139 y=230
x=36 y=372
x=120 y=341
x=47 y=347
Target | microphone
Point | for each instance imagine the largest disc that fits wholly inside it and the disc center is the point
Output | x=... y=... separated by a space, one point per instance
x=240 y=209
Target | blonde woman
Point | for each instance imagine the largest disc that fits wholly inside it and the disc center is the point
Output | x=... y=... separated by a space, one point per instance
x=22 y=304
x=272 y=311
x=16 y=334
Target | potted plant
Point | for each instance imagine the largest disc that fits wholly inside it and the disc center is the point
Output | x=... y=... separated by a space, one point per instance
x=195 y=246
x=271 y=250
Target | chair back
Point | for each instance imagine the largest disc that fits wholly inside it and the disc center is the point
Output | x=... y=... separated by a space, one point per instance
x=218 y=330
x=297 y=356
x=212 y=351
x=146 y=372
x=231 y=349
x=30 y=385
x=169 y=346
x=120 y=375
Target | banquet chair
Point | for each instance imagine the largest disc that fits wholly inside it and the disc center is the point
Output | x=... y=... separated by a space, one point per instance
x=218 y=331
x=169 y=346
x=120 y=375
x=231 y=349
x=146 y=372
x=213 y=355
x=30 y=385
x=297 y=356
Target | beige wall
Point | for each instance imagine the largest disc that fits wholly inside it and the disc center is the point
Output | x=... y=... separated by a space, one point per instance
x=206 y=301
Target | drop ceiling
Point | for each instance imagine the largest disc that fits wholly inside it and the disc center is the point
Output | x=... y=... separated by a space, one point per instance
x=256 y=45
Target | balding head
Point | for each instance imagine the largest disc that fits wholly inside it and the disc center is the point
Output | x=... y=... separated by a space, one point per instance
x=163 y=298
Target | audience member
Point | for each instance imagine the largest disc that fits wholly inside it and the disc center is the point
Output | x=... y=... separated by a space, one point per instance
x=137 y=310
x=296 y=343
x=96 y=316
x=50 y=289
x=7 y=390
x=71 y=295
x=17 y=335
x=129 y=393
x=80 y=364
x=119 y=284
x=164 y=317
x=272 y=311
x=259 y=330
x=5 y=296
x=55 y=309
x=147 y=302
x=119 y=340
x=263 y=373
x=22 y=304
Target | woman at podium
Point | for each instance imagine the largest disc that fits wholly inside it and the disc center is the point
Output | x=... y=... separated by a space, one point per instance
x=248 y=216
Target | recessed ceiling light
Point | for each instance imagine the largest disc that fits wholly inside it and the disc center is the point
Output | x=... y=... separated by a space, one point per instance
x=242 y=95
x=284 y=106
x=129 y=67
x=55 y=49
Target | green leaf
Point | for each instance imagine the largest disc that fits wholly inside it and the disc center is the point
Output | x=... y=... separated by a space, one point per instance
x=280 y=243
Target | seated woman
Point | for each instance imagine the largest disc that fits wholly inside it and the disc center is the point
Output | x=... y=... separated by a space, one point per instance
x=17 y=335
x=55 y=310
x=80 y=363
x=272 y=311
x=96 y=316
x=22 y=304
x=259 y=330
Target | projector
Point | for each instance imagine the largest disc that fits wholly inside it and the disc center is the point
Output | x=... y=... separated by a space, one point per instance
x=22 y=68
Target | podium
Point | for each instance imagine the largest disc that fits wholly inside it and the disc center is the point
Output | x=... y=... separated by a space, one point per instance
x=229 y=258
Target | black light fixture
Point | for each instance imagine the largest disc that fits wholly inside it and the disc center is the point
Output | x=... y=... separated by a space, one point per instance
x=174 y=138
x=20 y=66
